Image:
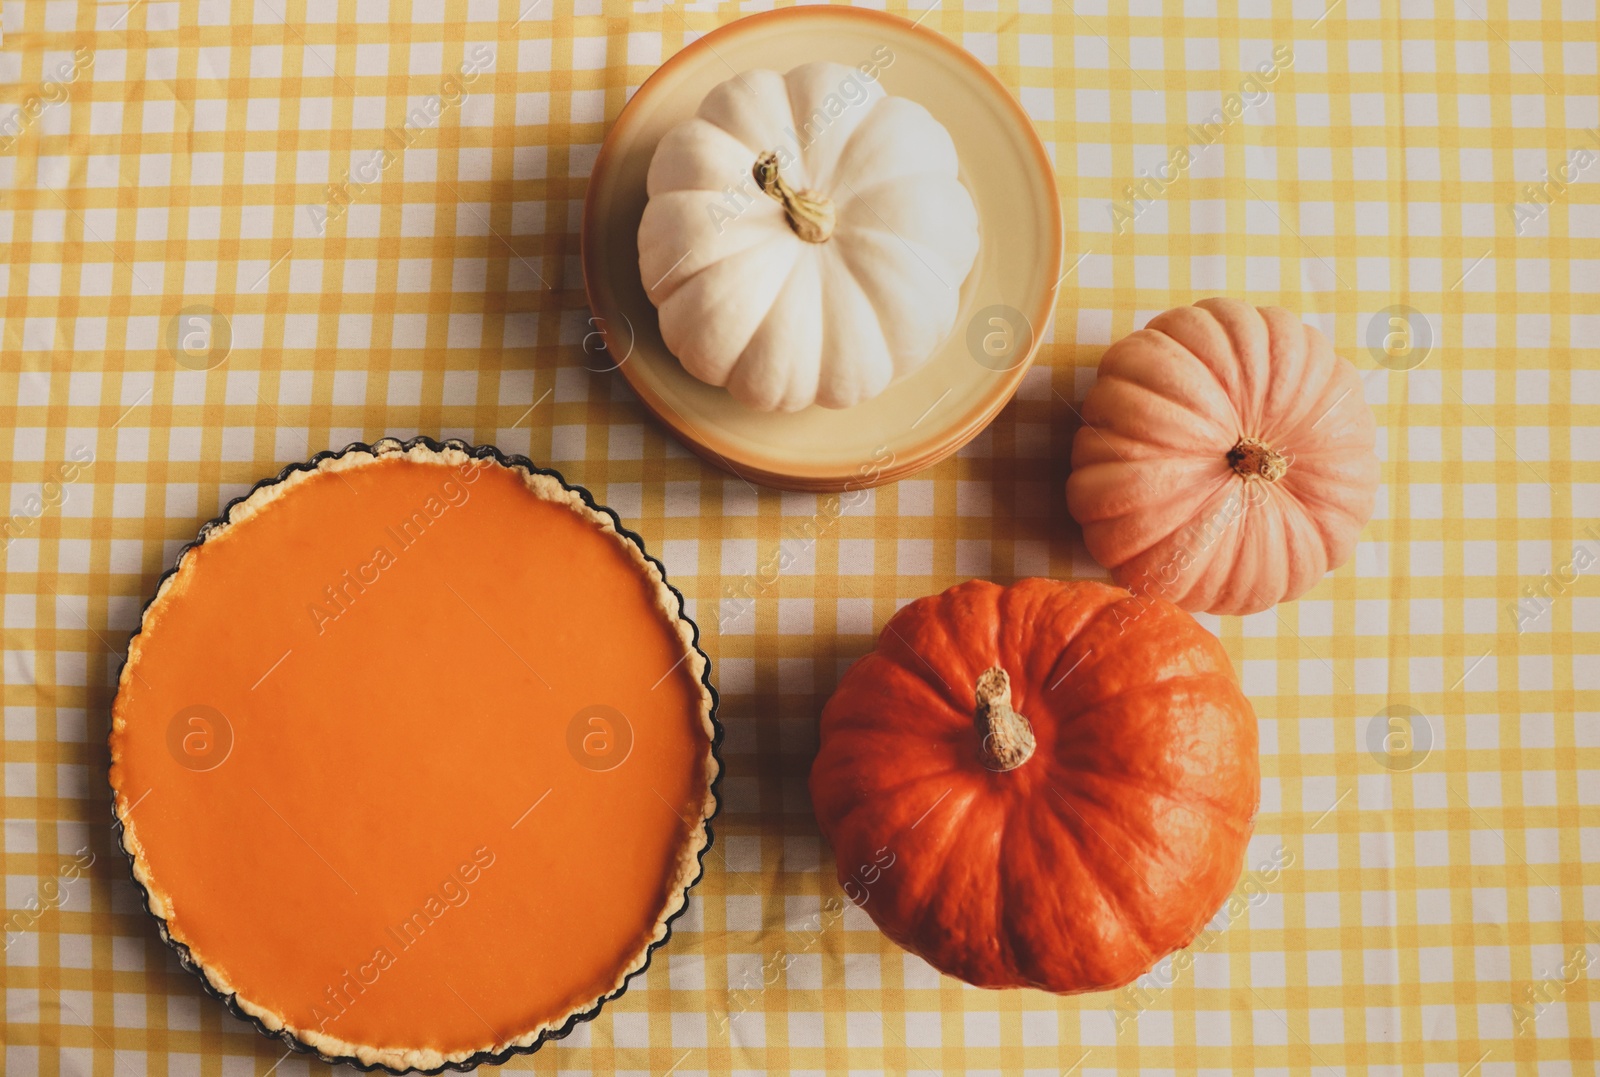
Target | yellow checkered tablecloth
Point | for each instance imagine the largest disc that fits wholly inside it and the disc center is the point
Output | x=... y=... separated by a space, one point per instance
x=1426 y=872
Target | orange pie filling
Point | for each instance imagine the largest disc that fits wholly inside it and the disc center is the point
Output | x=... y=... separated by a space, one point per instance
x=414 y=756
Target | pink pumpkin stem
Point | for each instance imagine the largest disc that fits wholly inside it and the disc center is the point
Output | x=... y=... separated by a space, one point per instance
x=1255 y=459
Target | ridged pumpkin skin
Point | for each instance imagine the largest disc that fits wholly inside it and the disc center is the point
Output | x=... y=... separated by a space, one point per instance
x=1168 y=501
x=1108 y=848
x=782 y=321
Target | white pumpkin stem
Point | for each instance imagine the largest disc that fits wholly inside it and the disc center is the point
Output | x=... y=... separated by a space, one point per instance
x=1007 y=738
x=810 y=212
x=1255 y=459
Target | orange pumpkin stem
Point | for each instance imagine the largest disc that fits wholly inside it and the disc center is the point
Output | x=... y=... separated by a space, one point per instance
x=1255 y=459
x=1007 y=738
x=810 y=213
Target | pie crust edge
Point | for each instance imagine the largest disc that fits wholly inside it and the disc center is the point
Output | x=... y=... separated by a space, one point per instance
x=547 y=485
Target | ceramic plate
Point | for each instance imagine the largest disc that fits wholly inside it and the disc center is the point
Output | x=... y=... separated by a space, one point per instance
x=1005 y=302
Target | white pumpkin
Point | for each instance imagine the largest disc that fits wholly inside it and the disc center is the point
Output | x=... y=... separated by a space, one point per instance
x=806 y=237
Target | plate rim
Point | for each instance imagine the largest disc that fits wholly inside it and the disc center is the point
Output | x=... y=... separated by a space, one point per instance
x=796 y=474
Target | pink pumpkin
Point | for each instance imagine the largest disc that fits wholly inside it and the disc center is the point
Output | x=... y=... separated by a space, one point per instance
x=1226 y=459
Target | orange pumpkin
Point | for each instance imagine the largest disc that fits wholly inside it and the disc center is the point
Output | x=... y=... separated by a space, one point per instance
x=1045 y=785
x=1226 y=459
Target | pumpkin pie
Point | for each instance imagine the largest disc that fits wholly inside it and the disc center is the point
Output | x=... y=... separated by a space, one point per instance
x=414 y=756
